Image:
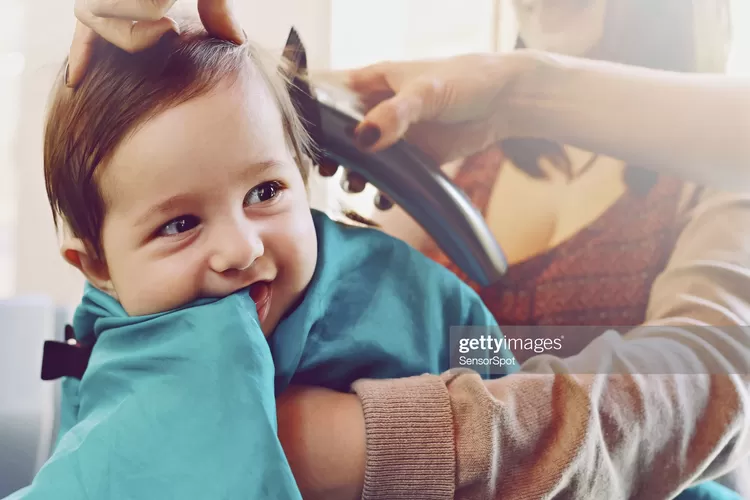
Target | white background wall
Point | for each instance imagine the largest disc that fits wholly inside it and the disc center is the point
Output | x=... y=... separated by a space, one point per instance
x=35 y=34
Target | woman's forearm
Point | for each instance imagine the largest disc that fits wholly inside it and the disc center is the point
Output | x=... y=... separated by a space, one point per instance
x=643 y=415
x=695 y=126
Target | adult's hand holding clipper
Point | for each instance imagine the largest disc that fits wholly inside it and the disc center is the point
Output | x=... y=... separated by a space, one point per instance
x=454 y=107
x=450 y=107
x=134 y=25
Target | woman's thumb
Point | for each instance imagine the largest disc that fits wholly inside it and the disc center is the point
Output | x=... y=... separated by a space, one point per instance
x=219 y=19
x=388 y=121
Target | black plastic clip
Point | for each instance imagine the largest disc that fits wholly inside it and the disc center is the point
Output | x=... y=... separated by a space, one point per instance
x=65 y=359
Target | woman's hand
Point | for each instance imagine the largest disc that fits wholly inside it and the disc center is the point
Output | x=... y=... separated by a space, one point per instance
x=449 y=107
x=134 y=25
x=323 y=436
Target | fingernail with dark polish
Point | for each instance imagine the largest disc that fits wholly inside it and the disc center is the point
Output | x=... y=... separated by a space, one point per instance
x=367 y=136
x=67 y=74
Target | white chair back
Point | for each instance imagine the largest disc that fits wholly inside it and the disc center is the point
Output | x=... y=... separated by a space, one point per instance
x=29 y=406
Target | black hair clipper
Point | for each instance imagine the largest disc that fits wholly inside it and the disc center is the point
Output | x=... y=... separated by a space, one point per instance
x=405 y=174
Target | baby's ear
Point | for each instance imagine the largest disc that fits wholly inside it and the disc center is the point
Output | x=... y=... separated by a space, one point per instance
x=77 y=254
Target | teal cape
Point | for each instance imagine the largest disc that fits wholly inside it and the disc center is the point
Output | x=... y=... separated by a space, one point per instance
x=181 y=404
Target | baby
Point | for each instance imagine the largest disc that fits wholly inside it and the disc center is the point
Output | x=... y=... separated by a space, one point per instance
x=179 y=176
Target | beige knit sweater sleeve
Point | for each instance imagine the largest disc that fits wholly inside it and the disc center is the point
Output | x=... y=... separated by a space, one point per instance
x=640 y=415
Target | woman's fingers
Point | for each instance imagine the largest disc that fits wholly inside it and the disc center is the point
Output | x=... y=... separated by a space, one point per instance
x=125 y=33
x=369 y=79
x=128 y=35
x=134 y=25
x=132 y=10
x=80 y=53
x=388 y=121
x=218 y=18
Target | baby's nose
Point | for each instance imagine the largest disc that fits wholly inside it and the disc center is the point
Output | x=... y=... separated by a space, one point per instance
x=236 y=251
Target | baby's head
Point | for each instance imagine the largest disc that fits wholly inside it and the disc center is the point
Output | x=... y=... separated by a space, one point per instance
x=178 y=173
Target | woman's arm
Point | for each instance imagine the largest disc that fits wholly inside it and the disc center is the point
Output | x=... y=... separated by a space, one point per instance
x=691 y=125
x=644 y=415
x=696 y=126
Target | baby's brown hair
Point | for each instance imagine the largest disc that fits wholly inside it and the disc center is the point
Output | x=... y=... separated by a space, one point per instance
x=120 y=92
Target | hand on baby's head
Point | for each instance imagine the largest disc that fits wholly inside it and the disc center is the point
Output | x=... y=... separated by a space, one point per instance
x=174 y=171
x=134 y=25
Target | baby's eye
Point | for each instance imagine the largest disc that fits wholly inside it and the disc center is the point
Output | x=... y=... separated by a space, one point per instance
x=179 y=225
x=263 y=192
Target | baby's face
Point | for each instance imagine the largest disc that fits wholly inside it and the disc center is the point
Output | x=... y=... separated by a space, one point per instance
x=205 y=199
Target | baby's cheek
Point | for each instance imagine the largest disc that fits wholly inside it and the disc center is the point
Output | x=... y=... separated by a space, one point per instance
x=302 y=242
x=291 y=242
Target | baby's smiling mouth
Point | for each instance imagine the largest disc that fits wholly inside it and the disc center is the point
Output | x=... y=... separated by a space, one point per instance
x=261 y=292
